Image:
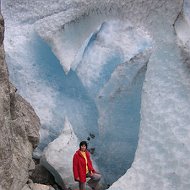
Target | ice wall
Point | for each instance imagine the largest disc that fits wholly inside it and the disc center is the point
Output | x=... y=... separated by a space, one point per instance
x=161 y=159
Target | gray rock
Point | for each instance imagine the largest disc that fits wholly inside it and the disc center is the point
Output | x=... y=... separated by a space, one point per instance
x=26 y=187
x=6 y=145
x=25 y=127
x=36 y=186
x=41 y=175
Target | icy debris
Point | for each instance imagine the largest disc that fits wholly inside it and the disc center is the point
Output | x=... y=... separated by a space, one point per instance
x=57 y=157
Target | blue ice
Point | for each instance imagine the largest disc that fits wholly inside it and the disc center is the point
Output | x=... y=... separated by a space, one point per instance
x=102 y=99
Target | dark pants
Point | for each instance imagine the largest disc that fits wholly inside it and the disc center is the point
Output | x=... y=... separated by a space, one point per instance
x=94 y=179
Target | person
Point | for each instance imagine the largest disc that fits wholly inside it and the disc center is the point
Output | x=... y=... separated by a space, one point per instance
x=83 y=168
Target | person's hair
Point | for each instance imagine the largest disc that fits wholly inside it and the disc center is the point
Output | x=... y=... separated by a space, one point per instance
x=83 y=143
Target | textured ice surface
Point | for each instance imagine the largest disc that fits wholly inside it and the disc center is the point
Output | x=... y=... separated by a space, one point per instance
x=182 y=25
x=108 y=101
x=121 y=98
x=114 y=43
x=56 y=154
x=162 y=156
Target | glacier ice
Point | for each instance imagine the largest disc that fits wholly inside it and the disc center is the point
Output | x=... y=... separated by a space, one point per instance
x=114 y=43
x=135 y=49
x=182 y=26
x=121 y=97
x=56 y=156
x=161 y=159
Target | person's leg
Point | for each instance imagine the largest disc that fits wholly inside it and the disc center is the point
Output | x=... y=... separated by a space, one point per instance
x=81 y=186
x=93 y=182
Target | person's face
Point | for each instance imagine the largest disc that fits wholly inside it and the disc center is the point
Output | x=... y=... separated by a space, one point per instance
x=83 y=148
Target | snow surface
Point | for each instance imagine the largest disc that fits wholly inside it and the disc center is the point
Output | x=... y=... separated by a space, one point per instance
x=105 y=98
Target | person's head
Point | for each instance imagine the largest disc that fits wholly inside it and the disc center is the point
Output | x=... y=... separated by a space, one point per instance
x=83 y=145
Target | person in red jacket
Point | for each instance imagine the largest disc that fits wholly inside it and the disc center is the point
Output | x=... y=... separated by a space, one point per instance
x=82 y=168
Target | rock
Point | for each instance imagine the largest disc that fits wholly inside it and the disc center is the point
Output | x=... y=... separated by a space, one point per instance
x=41 y=175
x=23 y=114
x=36 y=186
x=25 y=137
x=26 y=187
x=32 y=166
x=5 y=130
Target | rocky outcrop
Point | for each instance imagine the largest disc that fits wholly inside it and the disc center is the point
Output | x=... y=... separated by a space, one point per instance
x=19 y=130
x=5 y=131
x=25 y=126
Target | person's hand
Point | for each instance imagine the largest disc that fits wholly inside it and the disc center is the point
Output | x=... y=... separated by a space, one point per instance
x=77 y=179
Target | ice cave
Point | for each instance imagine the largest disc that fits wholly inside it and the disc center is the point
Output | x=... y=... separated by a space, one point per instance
x=114 y=73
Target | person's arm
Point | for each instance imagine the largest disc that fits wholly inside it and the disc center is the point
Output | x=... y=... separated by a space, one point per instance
x=75 y=168
x=90 y=166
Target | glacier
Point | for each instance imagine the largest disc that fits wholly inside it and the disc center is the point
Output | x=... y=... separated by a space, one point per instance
x=110 y=67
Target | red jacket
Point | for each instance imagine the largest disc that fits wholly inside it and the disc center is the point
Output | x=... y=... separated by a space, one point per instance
x=79 y=165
